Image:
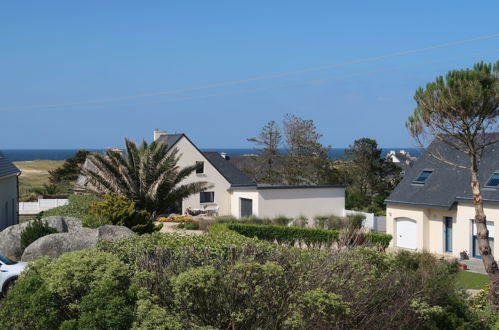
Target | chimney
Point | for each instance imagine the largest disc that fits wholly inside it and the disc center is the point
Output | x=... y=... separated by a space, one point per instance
x=157 y=134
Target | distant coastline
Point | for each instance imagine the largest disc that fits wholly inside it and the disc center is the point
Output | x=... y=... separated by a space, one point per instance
x=18 y=155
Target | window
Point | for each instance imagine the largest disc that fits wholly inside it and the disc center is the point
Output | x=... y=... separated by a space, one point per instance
x=493 y=181
x=448 y=234
x=207 y=197
x=423 y=176
x=199 y=167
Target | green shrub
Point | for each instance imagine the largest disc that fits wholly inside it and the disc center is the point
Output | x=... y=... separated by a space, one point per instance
x=121 y=211
x=225 y=280
x=95 y=221
x=78 y=207
x=330 y=222
x=311 y=237
x=83 y=290
x=333 y=222
x=301 y=221
x=281 y=220
x=34 y=230
x=378 y=240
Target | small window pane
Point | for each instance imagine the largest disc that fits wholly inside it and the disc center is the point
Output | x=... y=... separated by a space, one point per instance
x=493 y=181
x=199 y=167
x=423 y=176
x=207 y=197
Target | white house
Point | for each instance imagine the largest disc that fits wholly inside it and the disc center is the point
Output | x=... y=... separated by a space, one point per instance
x=233 y=193
x=431 y=208
x=8 y=193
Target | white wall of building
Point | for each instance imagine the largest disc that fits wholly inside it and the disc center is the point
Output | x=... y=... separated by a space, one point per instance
x=294 y=202
x=189 y=156
x=235 y=203
x=8 y=201
x=430 y=226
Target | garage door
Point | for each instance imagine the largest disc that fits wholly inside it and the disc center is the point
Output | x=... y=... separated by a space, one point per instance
x=406 y=233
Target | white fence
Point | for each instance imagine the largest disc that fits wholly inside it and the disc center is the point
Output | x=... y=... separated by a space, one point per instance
x=371 y=221
x=41 y=205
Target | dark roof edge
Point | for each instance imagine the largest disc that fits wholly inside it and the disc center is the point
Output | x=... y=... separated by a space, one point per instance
x=425 y=205
x=18 y=173
x=226 y=179
x=300 y=187
x=242 y=187
x=485 y=201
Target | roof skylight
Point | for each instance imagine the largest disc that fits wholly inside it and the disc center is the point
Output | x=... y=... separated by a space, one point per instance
x=423 y=176
x=493 y=181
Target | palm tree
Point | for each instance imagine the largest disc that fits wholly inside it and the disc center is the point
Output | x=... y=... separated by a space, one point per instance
x=147 y=175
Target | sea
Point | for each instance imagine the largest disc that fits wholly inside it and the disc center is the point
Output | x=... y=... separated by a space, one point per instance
x=18 y=155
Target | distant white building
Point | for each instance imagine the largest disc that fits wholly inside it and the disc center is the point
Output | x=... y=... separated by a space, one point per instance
x=9 y=174
x=401 y=158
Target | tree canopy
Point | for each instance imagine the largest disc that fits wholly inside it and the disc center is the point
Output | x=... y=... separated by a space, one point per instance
x=460 y=110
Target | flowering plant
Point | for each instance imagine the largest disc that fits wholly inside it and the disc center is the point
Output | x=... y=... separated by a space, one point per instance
x=464 y=252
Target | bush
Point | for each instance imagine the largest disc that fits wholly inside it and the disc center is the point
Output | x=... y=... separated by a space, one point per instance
x=310 y=237
x=225 y=280
x=95 y=221
x=333 y=222
x=120 y=211
x=229 y=281
x=79 y=290
x=77 y=207
x=34 y=230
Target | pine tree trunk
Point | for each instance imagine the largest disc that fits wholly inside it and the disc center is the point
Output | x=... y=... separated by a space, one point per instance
x=483 y=235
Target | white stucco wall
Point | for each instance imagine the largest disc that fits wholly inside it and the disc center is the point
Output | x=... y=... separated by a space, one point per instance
x=293 y=202
x=235 y=202
x=8 y=194
x=430 y=226
x=188 y=156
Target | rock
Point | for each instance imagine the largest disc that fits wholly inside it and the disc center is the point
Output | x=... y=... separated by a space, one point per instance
x=114 y=232
x=63 y=224
x=10 y=238
x=54 y=245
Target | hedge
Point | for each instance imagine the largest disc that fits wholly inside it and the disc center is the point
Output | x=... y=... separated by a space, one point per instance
x=311 y=237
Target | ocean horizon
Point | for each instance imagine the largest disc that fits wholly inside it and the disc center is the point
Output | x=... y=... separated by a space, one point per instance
x=18 y=155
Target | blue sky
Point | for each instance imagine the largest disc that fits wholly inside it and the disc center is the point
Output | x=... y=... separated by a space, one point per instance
x=74 y=55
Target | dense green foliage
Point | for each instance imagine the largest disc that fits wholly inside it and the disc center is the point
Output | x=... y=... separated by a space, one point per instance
x=147 y=174
x=34 y=230
x=371 y=178
x=225 y=280
x=269 y=141
x=77 y=207
x=482 y=306
x=333 y=222
x=309 y=237
x=120 y=211
x=79 y=290
x=70 y=169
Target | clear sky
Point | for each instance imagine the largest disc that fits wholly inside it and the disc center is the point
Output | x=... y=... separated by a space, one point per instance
x=73 y=55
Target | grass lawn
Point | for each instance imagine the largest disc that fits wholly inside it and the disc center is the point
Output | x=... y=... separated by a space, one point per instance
x=468 y=280
x=35 y=173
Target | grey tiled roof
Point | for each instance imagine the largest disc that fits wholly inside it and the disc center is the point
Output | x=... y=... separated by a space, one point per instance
x=228 y=170
x=6 y=167
x=170 y=139
x=231 y=173
x=447 y=184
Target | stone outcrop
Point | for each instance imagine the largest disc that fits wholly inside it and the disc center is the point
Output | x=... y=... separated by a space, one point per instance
x=54 y=245
x=10 y=238
x=72 y=236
